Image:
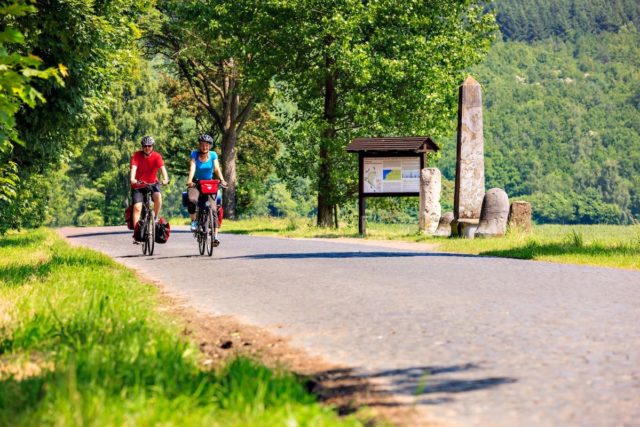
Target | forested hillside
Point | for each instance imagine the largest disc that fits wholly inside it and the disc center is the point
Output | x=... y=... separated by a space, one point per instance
x=532 y=20
x=562 y=109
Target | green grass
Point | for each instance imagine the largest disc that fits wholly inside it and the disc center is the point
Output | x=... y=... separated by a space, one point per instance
x=600 y=245
x=305 y=227
x=82 y=343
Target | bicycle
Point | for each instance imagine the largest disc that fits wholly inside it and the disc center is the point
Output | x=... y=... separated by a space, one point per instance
x=147 y=219
x=206 y=217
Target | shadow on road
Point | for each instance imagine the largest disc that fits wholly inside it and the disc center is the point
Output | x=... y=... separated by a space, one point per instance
x=98 y=233
x=114 y=233
x=374 y=254
x=436 y=384
x=257 y=230
x=429 y=385
x=154 y=257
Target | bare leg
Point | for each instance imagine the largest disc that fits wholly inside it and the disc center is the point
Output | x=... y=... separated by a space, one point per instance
x=157 y=203
x=137 y=209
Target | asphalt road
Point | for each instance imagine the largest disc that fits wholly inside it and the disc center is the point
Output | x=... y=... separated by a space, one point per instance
x=477 y=341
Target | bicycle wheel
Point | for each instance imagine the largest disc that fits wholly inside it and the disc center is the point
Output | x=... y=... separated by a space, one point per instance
x=145 y=244
x=151 y=234
x=210 y=230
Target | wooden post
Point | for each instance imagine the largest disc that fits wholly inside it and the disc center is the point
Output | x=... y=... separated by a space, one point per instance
x=361 y=201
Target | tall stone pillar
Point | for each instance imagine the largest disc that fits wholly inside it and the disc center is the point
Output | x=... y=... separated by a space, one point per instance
x=469 y=186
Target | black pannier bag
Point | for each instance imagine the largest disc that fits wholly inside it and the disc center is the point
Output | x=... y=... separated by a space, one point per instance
x=128 y=217
x=138 y=232
x=163 y=230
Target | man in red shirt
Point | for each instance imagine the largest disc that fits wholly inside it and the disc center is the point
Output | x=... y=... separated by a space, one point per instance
x=144 y=168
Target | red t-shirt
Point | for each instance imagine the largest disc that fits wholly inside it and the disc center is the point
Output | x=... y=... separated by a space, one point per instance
x=147 y=166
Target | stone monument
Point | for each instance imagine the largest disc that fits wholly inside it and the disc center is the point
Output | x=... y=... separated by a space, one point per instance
x=430 y=209
x=469 y=185
x=494 y=214
x=444 y=226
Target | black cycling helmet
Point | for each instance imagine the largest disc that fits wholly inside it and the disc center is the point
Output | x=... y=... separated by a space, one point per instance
x=147 y=140
x=205 y=138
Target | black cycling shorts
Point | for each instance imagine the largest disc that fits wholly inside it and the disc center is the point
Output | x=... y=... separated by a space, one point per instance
x=137 y=194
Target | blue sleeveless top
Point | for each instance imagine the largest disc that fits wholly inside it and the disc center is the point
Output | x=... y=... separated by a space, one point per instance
x=204 y=170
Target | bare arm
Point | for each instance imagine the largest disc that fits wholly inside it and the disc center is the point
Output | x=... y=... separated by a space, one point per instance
x=218 y=171
x=192 y=172
x=132 y=177
x=165 y=176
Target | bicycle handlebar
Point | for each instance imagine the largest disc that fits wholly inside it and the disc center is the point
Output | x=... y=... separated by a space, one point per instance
x=143 y=184
x=220 y=183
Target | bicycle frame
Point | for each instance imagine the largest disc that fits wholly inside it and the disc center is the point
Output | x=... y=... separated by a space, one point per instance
x=207 y=218
x=147 y=215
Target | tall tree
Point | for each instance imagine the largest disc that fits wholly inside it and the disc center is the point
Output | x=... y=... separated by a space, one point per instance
x=376 y=67
x=205 y=41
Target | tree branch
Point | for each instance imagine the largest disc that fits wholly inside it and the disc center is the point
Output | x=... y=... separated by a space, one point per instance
x=187 y=75
x=245 y=113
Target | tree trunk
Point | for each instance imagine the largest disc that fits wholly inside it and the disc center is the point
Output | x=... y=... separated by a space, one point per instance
x=325 y=205
x=229 y=139
x=324 y=189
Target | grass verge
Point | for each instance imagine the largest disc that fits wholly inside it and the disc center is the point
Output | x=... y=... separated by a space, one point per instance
x=81 y=343
x=599 y=245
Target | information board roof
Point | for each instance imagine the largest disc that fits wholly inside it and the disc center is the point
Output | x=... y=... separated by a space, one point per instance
x=416 y=144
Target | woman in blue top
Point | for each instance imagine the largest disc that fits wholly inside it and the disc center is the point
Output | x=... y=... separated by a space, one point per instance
x=202 y=164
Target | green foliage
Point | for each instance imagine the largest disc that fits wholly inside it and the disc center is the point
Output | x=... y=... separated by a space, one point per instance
x=89 y=203
x=96 y=42
x=93 y=45
x=561 y=114
x=393 y=210
x=363 y=68
x=222 y=53
x=29 y=209
x=561 y=126
x=278 y=199
x=258 y=149
x=86 y=345
x=19 y=70
x=540 y=19
x=136 y=107
x=92 y=218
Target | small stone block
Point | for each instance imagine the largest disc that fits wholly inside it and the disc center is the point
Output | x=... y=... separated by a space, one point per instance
x=520 y=216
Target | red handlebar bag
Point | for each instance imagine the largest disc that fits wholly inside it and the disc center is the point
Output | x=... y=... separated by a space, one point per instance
x=209 y=186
